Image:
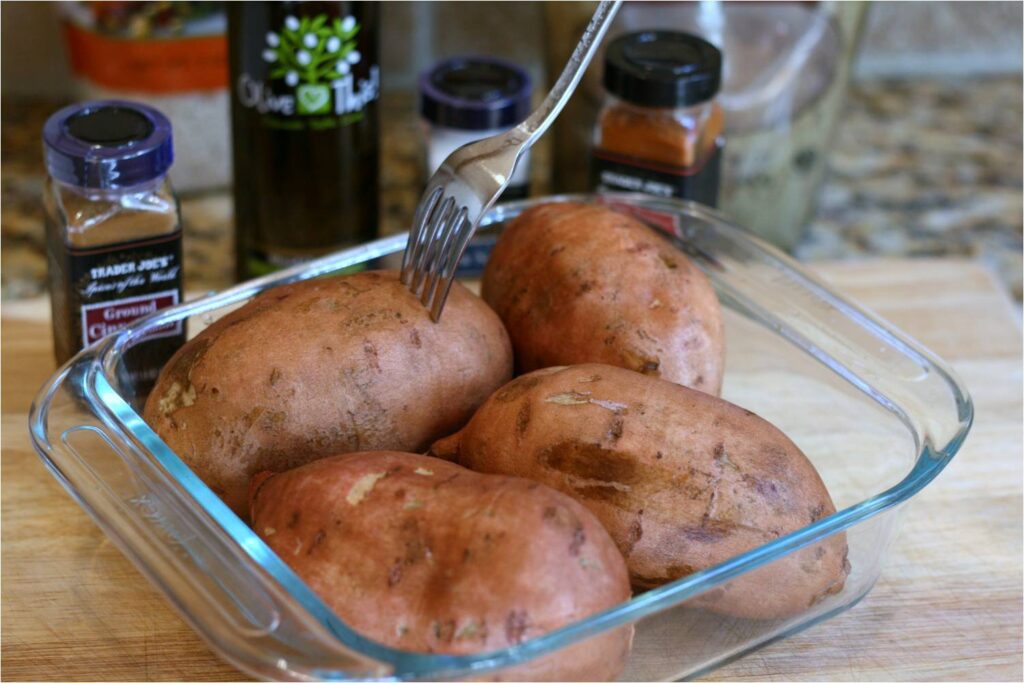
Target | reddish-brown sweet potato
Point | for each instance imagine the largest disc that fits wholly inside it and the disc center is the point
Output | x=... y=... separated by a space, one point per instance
x=323 y=367
x=681 y=480
x=577 y=283
x=426 y=556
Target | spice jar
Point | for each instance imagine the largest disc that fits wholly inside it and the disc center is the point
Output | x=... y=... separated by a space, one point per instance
x=465 y=99
x=112 y=227
x=660 y=129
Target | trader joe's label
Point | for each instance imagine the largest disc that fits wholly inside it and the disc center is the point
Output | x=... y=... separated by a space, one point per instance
x=116 y=284
x=619 y=172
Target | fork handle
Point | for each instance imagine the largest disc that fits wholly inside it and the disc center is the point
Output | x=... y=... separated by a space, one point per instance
x=527 y=132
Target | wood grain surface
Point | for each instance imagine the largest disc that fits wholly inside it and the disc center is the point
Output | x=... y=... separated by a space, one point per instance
x=948 y=606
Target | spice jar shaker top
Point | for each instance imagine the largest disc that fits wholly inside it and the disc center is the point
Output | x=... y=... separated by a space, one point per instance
x=660 y=128
x=113 y=229
x=465 y=99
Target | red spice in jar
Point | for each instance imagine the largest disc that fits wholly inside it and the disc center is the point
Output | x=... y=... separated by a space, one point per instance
x=660 y=130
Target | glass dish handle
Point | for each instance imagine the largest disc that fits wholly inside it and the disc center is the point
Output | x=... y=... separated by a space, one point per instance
x=182 y=554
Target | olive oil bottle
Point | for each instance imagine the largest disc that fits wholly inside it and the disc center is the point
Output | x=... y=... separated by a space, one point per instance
x=305 y=84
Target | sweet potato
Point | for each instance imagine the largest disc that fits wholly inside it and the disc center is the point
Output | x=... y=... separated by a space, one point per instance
x=323 y=367
x=682 y=480
x=426 y=556
x=577 y=283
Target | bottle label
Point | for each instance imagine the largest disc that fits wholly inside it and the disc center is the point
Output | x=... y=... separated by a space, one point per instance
x=619 y=172
x=309 y=80
x=116 y=284
x=134 y=48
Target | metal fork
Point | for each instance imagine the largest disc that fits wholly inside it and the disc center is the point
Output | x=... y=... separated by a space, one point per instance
x=473 y=177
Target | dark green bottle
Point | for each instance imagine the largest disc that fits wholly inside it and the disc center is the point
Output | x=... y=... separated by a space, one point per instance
x=305 y=82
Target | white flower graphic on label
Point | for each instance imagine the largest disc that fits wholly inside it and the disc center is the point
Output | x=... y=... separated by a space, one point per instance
x=312 y=49
x=315 y=55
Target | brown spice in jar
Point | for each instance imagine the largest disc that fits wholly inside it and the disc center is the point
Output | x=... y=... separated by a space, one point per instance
x=81 y=223
x=92 y=223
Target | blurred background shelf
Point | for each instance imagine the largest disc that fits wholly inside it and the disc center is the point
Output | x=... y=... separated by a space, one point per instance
x=919 y=168
x=925 y=161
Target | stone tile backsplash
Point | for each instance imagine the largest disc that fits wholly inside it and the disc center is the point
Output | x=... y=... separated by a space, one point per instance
x=940 y=38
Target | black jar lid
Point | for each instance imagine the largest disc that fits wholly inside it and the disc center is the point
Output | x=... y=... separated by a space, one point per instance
x=662 y=69
x=475 y=93
x=109 y=144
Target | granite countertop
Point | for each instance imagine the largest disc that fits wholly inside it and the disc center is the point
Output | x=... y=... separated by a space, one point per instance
x=918 y=168
x=926 y=169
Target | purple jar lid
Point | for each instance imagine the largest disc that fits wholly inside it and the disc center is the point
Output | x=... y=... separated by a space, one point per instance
x=109 y=144
x=475 y=93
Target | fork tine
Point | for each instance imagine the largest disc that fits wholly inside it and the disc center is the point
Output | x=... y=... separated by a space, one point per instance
x=463 y=235
x=448 y=238
x=433 y=250
x=435 y=270
x=428 y=254
x=427 y=268
x=427 y=229
x=441 y=238
x=417 y=235
x=424 y=212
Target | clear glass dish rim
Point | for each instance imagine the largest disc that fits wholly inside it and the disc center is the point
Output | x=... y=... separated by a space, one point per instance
x=100 y=359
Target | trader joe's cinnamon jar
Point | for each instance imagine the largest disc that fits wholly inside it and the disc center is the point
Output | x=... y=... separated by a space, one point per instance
x=113 y=230
x=660 y=129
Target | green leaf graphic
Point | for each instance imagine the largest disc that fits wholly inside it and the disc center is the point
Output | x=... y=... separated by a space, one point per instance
x=322 y=62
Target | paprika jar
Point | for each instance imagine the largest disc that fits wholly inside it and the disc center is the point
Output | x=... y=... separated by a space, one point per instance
x=659 y=130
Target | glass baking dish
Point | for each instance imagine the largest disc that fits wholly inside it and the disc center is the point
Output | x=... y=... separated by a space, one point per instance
x=878 y=415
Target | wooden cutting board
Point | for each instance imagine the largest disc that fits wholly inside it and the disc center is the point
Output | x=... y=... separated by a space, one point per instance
x=948 y=606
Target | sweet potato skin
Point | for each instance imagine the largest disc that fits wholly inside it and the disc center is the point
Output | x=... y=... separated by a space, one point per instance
x=579 y=283
x=426 y=556
x=322 y=367
x=681 y=480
